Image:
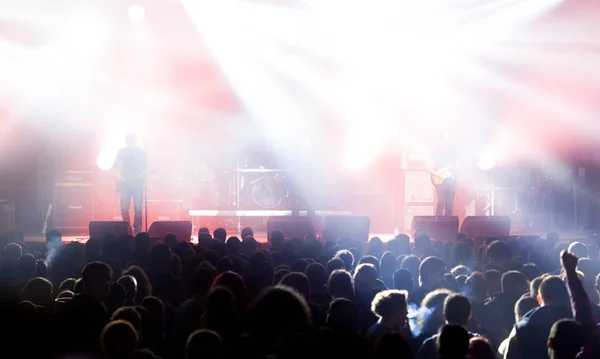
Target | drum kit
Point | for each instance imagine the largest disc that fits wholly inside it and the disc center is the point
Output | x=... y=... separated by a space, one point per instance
x=260 y=188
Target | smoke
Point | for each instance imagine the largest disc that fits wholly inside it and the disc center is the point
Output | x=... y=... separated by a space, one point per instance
x=52 y=249
x=418 y=317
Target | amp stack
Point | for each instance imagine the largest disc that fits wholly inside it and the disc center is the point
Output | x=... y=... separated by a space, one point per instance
x=73 y=205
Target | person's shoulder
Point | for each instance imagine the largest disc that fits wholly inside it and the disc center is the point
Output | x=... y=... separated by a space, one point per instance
x=376 y=329
x=428 y=347
x=431 y=340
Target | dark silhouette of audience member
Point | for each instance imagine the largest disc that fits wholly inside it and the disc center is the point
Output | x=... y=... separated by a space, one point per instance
x=220 y=234
x=480 y=348
x=190 y=312
x=431 y=277
x=566 y=339
x=277 y=312
x=119 y=340
x=387 y=268
x=204 y=343
x=522 y=307
x=452 y=342
x=390 y=306
x=412 y=264
x=129 y=284
x=247 y=232
x=514 y=285
x=237 y=286
x=391 y=346
x=317 y=278
x=347 y=257
x=144 y=287
x=221 y=315
x=531 y=334
x=457 y=311
x=403 y=280
x=340 y=284
x=277 y=240
x=86 y=315
x=500 y=256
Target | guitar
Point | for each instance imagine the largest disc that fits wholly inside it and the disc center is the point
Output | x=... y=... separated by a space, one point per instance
x=439 y=175
x=121 y=182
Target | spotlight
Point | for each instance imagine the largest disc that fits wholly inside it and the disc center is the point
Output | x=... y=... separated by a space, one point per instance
x=486 y=162
x=105 y=160
x=137 y=12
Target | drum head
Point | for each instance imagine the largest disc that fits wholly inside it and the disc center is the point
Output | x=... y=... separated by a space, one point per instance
x=267 y=192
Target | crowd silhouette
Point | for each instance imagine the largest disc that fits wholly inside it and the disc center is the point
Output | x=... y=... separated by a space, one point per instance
x=124 y=297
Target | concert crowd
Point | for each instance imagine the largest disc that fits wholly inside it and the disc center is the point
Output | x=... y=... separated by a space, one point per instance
x=229 y=297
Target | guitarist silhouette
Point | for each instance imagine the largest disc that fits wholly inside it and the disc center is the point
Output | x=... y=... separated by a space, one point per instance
x=130 y=168
x=443 y=161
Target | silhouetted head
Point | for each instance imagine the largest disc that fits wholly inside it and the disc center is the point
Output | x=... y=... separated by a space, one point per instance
x=343 y=316
x=480 y=348
x=130 y=315
x=553 y=291
x=566 y=339
x=514 y=282
x=96 y=277
x=390 y=305
x=204 y=343
x=578 y=249
x=523 y=306
x=129 y=283
x=431 y=272
x=247 y=231
x=457 y=309
x=453 y=342
x=119 y=339
x=403 y=280
x=220 y=234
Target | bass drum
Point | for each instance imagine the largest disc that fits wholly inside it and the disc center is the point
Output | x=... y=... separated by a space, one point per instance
x=268 y=192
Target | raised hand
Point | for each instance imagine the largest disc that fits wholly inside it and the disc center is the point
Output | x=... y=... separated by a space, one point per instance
x=568 y=261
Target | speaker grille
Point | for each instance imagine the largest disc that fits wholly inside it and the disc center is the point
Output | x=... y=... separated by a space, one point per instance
x=73 y=207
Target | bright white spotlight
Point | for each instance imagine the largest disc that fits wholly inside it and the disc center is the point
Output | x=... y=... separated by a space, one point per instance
x=106 y=160
x=137 y=12
x=486 y=161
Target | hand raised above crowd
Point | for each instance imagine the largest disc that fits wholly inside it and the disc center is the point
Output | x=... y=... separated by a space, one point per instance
x=568 y=261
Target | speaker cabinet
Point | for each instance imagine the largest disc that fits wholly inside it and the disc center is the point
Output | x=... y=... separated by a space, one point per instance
x=486 y=226
x=99 y=229
x=73 y=209
x=292 y=227
x=444 y=228
x=355 y=227
x=181 y=229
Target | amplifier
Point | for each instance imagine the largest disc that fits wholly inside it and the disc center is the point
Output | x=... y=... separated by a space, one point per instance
x=74 y=179
x=73 y=209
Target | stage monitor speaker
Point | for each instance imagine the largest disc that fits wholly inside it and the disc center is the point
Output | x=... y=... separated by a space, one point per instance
x=99 y=229
x=355 y=227
x=486 y=226
x=73 y=209
x=443 y=228
x=181 y=229
x=292 y=227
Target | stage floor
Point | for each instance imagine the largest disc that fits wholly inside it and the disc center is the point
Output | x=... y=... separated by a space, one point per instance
x=260 y=237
